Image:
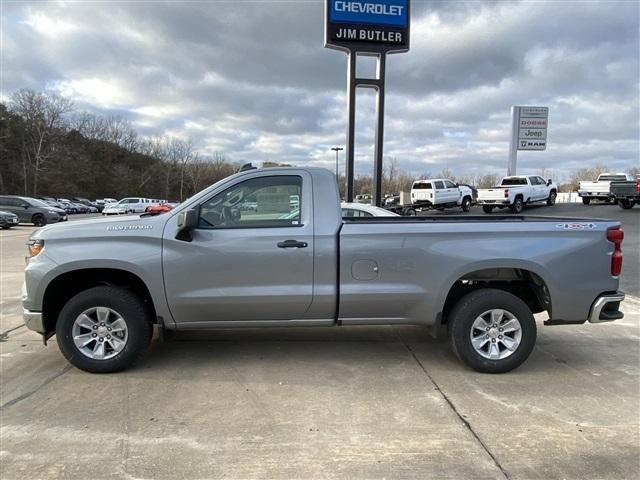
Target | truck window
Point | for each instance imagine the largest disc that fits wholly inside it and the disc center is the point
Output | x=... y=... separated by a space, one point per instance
x=422 y=186
x=351 y=212
x=612 y=178
x=262 y=202
x=449 y=184
x=439 y=185
x=511 y=181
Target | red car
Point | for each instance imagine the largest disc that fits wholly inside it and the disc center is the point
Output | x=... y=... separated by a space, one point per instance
x=160 y=208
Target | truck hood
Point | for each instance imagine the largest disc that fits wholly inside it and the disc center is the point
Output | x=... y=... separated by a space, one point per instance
x=106 y=227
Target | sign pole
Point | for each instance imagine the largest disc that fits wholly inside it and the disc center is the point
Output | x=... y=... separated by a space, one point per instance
x=351 y=121
x=379 y=138
x=513 y=142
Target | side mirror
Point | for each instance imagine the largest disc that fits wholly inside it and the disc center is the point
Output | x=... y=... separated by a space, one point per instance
x=549 y=182
x=187 y=220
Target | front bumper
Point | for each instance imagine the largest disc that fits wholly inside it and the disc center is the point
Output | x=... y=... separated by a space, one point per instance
x=606 y=308
x=33 y=320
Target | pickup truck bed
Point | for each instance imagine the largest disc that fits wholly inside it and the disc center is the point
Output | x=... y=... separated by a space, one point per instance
x=293 y=261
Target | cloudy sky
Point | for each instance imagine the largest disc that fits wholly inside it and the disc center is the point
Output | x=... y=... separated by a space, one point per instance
x=252 y=79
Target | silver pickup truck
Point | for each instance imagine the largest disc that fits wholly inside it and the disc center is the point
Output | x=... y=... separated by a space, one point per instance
x=268 y=248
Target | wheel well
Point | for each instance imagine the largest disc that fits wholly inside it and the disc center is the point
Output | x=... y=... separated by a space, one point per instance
x=62 y=288
x=524 y=284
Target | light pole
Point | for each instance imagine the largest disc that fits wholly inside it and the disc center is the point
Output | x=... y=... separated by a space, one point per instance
x=337 y=149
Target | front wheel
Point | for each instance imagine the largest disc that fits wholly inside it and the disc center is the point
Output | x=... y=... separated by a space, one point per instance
x=104 y=329
x=39 y=220
x=586 y=200
x=552 y=198
x=517 y=205
x=466 y=204
x=487 y=208
x=492 y=331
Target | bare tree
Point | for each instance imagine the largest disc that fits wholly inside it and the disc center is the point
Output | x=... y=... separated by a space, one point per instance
x=43 y=114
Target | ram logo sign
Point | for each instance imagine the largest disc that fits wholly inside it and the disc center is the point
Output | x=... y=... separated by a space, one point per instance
x=367 y=25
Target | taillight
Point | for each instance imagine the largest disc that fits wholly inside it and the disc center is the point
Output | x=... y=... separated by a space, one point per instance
x=615 y=236
x=638 y=186
x=506 y=193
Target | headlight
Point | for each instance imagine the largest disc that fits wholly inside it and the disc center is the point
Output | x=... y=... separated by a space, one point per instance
x=35 y=247
x=52 y=211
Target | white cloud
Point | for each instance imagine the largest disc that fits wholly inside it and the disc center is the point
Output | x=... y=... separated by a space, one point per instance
x=254 y=81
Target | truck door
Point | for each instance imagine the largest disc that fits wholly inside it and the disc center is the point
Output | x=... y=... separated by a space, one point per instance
x=453 y=193
x=439 y=193
x=251 y=257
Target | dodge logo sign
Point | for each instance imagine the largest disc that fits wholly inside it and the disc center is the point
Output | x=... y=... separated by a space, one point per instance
x=367 y=25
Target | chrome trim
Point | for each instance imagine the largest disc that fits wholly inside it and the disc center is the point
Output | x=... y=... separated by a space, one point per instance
x=598 y=305
x=33 y=320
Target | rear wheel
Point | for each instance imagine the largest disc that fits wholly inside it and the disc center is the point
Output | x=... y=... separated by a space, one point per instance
x=492 y=331
x=410 y=212
x=487 y=208
x=626 y=204
x=39 y=220
x=586 y=200
x=466 y=204
x=552 y=198
x=104 y=329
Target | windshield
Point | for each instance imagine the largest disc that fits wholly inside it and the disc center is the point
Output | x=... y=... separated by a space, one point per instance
x=513 y=181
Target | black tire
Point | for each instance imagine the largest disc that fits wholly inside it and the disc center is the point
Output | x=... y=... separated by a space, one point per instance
x=39 y=220
x=466 y=204
x=586 y=200
x=552 y=198
x=410 y=212
x=474 y=304
x=6 y=227
x=625 y=204
x=128 y=305
x=487 y=208
x=517 y=206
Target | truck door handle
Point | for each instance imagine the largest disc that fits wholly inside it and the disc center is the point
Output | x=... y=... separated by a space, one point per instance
x=292 y=244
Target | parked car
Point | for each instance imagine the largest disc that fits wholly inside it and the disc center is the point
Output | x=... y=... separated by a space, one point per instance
x=601 y=188
x=441 y=193
x=80 y=207
x=108 y=201
x=627 y=193
x=31 y=210
x=128 y=205
x=103 y=285
x=8 y=220
x=67 y=206
x=350 y=210
x=364 y=198
x=517 y=191
x=160 y=208
x=91 y=206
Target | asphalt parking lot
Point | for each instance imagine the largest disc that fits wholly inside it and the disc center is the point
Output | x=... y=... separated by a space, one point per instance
x=357 y=402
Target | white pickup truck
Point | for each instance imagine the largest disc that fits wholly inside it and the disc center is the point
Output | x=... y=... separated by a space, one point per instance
x=441 y=193
x=601 y=188
x=517 y=191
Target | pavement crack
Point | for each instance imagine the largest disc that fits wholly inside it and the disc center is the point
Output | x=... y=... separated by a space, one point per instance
x=454 y=409
x=35 y=390
x=4 y=336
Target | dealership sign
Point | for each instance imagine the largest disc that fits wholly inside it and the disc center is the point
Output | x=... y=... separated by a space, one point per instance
x=528 y=132
x=532 y=128
x=367 y=25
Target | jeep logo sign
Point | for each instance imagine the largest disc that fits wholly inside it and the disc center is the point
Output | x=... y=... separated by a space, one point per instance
x=367 y=25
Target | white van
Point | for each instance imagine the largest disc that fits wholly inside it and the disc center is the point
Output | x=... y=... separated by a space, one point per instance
x=128 y=205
